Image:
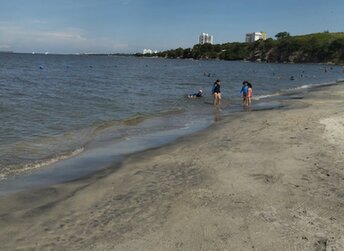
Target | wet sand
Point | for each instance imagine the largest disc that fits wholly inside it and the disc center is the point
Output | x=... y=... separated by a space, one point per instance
x=265 y=180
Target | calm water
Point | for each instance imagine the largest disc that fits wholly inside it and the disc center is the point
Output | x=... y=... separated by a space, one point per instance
x=57 y=108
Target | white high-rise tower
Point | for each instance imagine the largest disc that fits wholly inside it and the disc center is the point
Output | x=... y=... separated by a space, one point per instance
x=205 y=38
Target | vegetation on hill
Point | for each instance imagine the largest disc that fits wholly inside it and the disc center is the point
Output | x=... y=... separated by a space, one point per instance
x=323 y=47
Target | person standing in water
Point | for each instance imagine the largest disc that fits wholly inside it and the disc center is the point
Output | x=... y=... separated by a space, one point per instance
x=217 y=92
x=249 y=93
x=244 y=91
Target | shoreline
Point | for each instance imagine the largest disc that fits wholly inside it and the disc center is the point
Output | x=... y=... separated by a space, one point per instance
x=330 y=63
x=71 y=165
x=100 y=156
x=266 y=180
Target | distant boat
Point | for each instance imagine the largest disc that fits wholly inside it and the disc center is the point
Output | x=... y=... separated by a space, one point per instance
x=46 y=53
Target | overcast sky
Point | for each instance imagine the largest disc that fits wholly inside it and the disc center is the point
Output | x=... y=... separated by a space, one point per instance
x=129 y=26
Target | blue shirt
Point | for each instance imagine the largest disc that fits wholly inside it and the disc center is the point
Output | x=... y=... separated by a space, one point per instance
x=244 y=90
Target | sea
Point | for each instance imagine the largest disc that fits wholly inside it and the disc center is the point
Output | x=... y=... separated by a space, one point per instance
x=64 y=117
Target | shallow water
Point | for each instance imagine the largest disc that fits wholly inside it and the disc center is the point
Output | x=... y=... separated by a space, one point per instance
x=54 y=107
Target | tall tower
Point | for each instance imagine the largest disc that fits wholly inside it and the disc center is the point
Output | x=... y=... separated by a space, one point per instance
x=205 y=38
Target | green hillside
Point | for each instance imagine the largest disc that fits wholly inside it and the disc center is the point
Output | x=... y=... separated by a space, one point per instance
x=323 y=47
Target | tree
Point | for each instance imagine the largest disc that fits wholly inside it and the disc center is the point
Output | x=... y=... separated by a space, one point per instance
x=336 y=49
x=179 y=52
x=187 y=53
x=281 y=35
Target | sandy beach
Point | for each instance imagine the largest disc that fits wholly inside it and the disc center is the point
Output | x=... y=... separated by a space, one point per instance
x=264 y=180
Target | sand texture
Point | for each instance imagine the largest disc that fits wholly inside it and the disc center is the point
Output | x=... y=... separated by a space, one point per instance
x=264 y=180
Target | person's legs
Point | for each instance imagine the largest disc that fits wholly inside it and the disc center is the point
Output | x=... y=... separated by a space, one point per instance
x=215 y=98
x=218 y=98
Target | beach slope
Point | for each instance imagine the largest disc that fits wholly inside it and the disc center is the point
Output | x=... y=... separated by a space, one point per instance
x=264 y=180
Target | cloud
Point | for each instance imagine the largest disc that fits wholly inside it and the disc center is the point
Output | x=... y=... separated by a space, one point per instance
x=68 y=40
x=58 y=36
x=4 y=46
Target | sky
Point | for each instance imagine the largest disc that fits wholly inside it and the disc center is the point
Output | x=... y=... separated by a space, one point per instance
x=129 y=26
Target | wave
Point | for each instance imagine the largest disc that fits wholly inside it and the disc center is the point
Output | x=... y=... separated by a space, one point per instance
x=297 y=89
x=136 y=119
x=259 y=97
x=310 y=86
x=26 y=156
x=27 y=168
x=171 y=112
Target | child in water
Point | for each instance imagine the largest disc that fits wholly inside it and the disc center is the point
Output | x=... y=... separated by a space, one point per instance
x=249 y=93
x=199 y=94
x=244 y=91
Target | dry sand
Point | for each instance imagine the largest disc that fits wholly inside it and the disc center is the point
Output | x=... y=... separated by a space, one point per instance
x=266 y=180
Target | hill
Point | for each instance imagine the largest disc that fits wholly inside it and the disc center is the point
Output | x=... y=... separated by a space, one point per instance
x=323 y=47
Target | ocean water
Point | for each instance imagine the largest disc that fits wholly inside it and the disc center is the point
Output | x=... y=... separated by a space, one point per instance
x=75 y=114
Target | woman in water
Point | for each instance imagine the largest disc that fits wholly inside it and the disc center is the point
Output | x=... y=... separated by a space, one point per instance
x=217 y=92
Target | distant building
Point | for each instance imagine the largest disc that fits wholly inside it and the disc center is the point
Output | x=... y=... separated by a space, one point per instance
x=254 y=36
x=205 y=38
x=149 y=51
